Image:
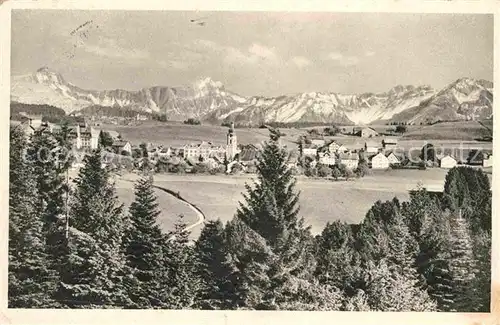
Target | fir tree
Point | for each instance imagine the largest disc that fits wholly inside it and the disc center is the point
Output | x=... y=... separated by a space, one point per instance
x=482 y=282
x=337 y=261
x=32 y=282
x=215 y=270
x=182 y=281
x=268 y=242
x=393 y=290
x=143 y=246
x=462 y=266
x=45 y=154
x=94 y=267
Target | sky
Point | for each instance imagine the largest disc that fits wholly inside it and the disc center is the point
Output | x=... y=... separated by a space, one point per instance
x=253 y=53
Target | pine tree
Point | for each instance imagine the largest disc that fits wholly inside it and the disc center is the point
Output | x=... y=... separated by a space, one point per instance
x=482 y=283
x=215 y=270
x=32 y=282
x=392 y=290
x=268 y=242
x=47 y=158
x=94 y=266
x=143 y=246
x=182 y=281
x=430 y=227
x=462 y=266
x=337 y=261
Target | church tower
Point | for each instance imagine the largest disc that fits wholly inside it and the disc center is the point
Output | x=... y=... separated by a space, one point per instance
x=231 y=143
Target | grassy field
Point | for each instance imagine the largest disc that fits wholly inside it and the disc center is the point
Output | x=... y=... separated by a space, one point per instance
x=177 y=134
x=320 y=201
x=170 y=207
x=466 y=130
x=443 y=135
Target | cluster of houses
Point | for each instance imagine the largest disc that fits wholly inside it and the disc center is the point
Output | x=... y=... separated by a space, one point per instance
x=380 y=155
x=333 y=153
x=193 y=153
x=81 y=135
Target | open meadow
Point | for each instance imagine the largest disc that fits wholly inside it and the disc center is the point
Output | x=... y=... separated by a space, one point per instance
x=321 y=201
x=170 y=207
x=448 y=135
x=178 y=134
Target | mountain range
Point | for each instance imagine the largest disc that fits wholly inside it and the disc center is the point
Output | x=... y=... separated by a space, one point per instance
x=209 y=100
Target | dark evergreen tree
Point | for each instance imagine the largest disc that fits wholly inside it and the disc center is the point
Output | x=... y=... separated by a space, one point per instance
x=269 y=244
x=143 y=247
x=216 y=272
x=182 y=281
x=105 y=140
x=482 y=283
x=389 y=289
x=462 y=266
x=32 y=281
x=338 y=264
x=49 y=157
x=93 y=271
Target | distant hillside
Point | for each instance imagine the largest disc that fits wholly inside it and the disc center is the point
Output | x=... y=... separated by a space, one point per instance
x=111 y=111
x=460 y=130
x=34 y=109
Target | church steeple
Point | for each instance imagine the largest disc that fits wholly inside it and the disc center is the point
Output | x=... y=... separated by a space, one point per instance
x=231 y=143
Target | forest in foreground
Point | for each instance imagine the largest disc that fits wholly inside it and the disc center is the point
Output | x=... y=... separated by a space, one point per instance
x=430 y=253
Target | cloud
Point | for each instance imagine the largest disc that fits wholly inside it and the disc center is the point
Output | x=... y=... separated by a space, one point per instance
x=108 y=47
x=262 y=51
x=342 y=59
x=301 y=61
x=369 y=53
x=255 y=53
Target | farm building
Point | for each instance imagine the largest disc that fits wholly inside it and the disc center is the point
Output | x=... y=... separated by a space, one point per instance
x=366 y=133
x=390 y=143
x=371 y=147
x=447 y=162
x=379 y=161
x=328 y=159
x=122 y=146
x=393 y=159
x=309 y=150
x=349 y=159
x=333 y=146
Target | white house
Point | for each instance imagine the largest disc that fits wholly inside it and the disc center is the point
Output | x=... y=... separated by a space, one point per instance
x=393 y=159
x=349 y=159
x=487 y=160
x=447 y=162
x=328 y=159
x=333 y=146
x=311 y=151
x=379 y=161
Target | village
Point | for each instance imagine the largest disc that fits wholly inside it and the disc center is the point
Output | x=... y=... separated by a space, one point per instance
x=313 y=155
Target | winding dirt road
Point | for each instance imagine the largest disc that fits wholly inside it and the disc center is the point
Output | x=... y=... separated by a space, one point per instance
x=199 y=213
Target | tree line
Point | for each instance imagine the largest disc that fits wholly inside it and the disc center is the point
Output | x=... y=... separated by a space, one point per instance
x=427 y=253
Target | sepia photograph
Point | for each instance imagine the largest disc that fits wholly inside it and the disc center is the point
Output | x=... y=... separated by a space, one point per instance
x=250 y=160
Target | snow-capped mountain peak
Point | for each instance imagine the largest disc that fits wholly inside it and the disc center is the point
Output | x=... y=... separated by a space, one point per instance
x=207 y=99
